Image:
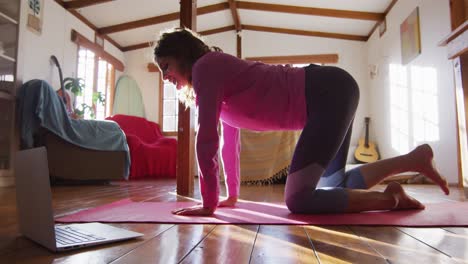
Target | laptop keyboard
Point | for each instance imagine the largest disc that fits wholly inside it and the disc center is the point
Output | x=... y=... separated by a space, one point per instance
x=66 y=235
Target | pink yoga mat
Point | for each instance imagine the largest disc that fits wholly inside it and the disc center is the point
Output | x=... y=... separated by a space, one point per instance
x=127 y=211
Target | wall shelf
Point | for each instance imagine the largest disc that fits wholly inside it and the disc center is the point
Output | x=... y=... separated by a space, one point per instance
x=7 y=96
x=456 y=41
x=5 y=17
x=9 y=37
x=6 y=57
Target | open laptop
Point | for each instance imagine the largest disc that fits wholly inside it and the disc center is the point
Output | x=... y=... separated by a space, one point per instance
x=36 y=218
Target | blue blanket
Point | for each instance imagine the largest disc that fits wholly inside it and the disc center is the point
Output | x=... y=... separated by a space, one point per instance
x=38 y=106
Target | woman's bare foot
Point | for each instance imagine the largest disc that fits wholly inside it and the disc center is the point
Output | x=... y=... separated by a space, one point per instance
x=423 y=157
x=404 y=201
x=228 y=202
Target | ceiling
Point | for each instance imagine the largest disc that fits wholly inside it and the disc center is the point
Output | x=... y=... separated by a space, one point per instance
x=132 y=24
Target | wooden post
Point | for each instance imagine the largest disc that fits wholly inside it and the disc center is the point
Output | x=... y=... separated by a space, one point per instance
x=186 y=131
x=239 y=44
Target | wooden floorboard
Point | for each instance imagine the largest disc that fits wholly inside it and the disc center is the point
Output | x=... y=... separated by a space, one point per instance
x=338 y=244
x=448 y=243
x=187 y=243
x=171 y=246
x=397 y=247
x=225 y=244
x=283 y=244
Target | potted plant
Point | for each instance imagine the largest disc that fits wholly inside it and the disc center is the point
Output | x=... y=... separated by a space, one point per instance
x=76 y=86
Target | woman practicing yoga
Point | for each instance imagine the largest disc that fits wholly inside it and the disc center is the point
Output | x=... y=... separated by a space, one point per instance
x=319 y=100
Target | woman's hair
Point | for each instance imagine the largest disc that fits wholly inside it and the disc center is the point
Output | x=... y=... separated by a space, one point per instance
x=186 y=47
x=182 y=44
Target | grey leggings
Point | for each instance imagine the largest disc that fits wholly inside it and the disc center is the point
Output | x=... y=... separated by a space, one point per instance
x=317 y=179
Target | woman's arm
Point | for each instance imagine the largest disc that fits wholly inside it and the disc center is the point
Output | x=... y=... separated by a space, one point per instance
x=209 y=95
x=231 y=161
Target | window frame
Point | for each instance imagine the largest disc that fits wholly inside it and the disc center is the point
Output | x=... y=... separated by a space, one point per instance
x=109 y=80
x=161 y=108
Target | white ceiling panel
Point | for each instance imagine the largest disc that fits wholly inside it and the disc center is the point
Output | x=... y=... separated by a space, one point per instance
x=214 y=20
x=121 y=11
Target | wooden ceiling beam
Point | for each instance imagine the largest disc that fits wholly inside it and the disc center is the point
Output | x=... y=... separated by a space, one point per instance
x=137 y=46
x=259 y=28
x=139 y=23
x=89 y=44
x=203 y=33
x=390 y=6
x=305 y=33
x=263 y=29
x=217 y=30
x=159 y=19
x=212 y=8
x=88 y=23
x=311 y=11
x=82 y=3
x=235 y=14
x=298 y=59
x=233 y=5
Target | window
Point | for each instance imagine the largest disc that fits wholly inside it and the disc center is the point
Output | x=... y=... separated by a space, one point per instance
x=170 y=111
x=304 y=65
x=98 y=75
x=399 y=108
x=425 y=104
x=7 y=78
x=414 y=109
x=170 y=108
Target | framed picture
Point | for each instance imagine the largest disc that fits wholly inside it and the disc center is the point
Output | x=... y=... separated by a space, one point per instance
x=382 y=27
x=410 y=37
x=35 y=11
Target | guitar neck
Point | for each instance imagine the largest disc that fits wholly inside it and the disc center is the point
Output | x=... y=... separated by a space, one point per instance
x=366 y=142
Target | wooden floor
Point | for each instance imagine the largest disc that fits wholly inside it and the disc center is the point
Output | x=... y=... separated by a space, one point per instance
x=169 y=243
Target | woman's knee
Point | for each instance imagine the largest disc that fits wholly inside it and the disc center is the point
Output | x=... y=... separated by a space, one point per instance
x=318 y=201
x=294 y=204
x=303 y=202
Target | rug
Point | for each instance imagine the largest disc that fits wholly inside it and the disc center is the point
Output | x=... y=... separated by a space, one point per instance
x=127 y=211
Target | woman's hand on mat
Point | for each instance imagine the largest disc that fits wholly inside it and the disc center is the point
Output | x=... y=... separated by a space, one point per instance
x=194 y=210
x=229 y=202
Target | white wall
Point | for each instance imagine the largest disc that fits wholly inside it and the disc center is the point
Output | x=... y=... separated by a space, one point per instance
x=148 y=82
x=435 y=25
x=55 y=40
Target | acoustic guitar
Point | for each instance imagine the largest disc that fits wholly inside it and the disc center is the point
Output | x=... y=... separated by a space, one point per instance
x=366 y=151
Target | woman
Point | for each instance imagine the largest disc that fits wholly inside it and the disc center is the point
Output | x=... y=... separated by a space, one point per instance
x=319 y=100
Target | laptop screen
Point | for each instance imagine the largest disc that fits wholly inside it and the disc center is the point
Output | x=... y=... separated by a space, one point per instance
x=33 y=195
